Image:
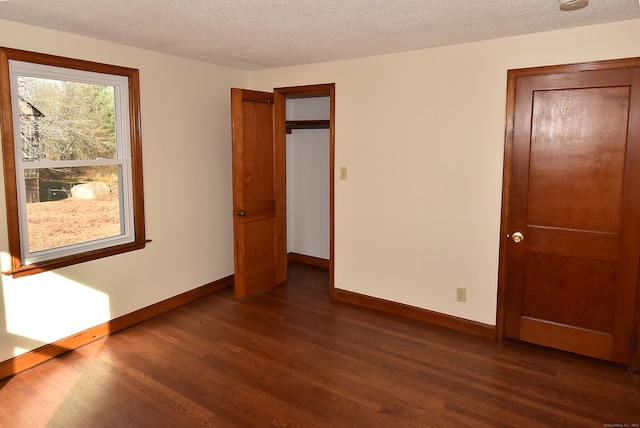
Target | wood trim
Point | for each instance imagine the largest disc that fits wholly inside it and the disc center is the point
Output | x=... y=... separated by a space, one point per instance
x=306 y=91
x=577 y=67
x=431 y=317
x=332 y=179
x=308 y=260
x=48 y=265
x=280 y=162
x=137 y=176
x=506 y=203
x=44 y=353
x=8 y=161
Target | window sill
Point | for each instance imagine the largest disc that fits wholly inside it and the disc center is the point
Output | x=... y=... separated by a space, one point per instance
x=49 y=265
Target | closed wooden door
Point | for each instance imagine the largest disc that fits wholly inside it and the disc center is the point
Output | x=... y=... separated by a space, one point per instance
x=259 y=224
x=571 y=210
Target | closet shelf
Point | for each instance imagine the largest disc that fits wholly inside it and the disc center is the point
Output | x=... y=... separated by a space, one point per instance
x=307 y=124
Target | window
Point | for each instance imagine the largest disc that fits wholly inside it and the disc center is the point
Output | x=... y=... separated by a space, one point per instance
x=72 y=160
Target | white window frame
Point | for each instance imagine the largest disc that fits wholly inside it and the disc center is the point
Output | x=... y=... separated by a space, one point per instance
x=122 y=159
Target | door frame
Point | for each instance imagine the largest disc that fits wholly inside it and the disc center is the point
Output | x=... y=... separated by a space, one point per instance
x=280 y=157
x=512 y=76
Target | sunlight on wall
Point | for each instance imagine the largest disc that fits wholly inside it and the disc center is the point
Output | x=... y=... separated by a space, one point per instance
x=18 y=351
x=47 y=307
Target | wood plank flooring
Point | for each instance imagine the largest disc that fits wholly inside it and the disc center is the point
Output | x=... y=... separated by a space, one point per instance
x=293 y=358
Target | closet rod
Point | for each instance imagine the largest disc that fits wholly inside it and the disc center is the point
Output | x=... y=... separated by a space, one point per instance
x=307 y=124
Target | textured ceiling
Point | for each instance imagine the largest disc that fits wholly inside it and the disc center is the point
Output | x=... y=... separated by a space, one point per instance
x=259 y=34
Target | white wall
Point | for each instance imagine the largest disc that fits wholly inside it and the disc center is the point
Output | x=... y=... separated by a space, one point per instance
x=186 y=140
x=422 y=134
x=308 y=173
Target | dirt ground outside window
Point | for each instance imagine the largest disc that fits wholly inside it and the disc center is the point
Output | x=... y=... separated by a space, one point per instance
x=71 y=221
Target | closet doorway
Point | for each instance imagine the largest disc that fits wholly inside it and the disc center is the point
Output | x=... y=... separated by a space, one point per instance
x=261 y=122
x=308 y=175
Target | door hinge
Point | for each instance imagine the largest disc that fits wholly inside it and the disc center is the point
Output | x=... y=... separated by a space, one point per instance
x=633 y=342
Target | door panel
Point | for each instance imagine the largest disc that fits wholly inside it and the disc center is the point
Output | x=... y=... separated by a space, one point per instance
x=571 y=283
x=569 y=290
x=258 y=230
x=573 y=150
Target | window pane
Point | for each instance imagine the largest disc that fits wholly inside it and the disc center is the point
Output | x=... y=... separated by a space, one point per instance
x=65 y=120
x=72 y=206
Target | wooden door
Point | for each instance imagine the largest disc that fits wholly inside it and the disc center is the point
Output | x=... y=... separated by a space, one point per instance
x=571 y=210
x=258 y=180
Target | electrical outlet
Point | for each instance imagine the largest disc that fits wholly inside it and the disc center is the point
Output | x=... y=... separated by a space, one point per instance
x=461 y=294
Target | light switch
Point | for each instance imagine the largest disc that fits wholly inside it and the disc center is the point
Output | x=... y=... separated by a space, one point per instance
x=343 y=173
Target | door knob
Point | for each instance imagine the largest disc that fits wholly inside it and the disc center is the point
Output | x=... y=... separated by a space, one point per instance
x=517 y=237
x=242 y=213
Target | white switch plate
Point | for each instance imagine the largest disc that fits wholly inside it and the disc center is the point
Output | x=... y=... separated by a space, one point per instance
x=343 y=173
x=461 y=294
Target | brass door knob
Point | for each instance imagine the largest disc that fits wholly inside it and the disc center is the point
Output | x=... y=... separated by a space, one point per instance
x=517 y=237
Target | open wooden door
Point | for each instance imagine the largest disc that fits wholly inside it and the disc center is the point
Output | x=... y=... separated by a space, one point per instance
x=258 y=182
x=571 y=210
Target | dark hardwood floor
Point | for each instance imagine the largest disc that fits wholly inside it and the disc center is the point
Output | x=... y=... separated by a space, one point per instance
x=293 y=358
